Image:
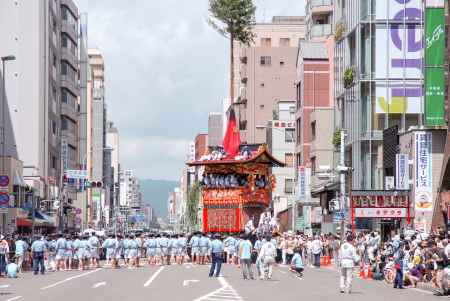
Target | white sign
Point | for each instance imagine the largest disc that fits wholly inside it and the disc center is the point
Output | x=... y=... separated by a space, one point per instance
x=64 y=153
x=435 y=3
x=304 y=183
x=399 y=58
x=401 y=172
x=423 y=183
x=389 y=183
x=76 y=174
x=381 y=212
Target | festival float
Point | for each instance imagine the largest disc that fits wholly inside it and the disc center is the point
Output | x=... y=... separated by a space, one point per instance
x=237 y=183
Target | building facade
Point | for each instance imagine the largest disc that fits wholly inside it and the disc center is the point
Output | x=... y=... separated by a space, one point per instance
x=215 y=130
x=265 y=73
x=319 y=19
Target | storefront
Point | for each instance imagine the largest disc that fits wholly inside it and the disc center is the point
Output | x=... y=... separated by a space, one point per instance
x=386 y=211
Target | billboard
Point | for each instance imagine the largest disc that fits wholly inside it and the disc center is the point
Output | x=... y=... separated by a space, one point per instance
x=304 y=183
x=398 y=9
x=423 y=183
x=434 y=61
x=397 y=97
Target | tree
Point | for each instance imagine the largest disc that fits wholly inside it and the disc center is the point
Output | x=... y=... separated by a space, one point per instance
x=192 y=205
x=233 y=19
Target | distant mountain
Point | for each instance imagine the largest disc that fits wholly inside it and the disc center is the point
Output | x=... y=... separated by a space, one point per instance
x=156 y=193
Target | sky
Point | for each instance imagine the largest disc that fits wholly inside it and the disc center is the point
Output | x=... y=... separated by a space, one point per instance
x=166 y=69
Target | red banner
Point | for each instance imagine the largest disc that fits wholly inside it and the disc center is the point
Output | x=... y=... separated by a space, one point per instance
x=221 y=220
x=229 y=196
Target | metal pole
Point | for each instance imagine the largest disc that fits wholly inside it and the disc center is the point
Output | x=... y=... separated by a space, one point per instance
x=342 y=182
x=3 y=115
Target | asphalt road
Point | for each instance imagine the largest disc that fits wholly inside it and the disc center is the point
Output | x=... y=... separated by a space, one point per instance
x=191 y=283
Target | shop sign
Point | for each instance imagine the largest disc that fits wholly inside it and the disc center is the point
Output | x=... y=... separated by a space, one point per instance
x=423 y=198
x=381 y=212
x=76 y=174
x=401 y=172
x=380 y=201
x=4 y=181
x=304 y=183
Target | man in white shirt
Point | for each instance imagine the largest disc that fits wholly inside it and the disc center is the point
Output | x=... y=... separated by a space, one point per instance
x=316 y=249
x=267 y=258
x=347 y=258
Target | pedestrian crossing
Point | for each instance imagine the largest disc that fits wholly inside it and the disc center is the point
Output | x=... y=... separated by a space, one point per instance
x=224 y=293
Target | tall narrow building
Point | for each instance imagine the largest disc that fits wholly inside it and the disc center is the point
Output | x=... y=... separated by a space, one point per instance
x=265 y=73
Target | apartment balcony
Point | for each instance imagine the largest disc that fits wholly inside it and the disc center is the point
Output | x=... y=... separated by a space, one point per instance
x=320 y=7
x=69 y=110
x=70 y=137
x=98 y=93
x=70 y=84
x=70 y=57
x=243 y=71
x=320 y=30
x=69 y=29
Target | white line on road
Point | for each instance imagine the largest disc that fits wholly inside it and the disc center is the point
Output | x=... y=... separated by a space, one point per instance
x=99 y=284
x=68 y=279
x=149 y=281
x=186 y=282
x=226 y=292
x=15 y=298
x=4 y=286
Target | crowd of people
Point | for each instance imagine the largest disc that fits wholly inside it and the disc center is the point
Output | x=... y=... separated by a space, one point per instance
x=405 y=260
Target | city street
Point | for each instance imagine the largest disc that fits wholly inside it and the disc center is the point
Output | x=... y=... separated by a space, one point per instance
x=189 y=282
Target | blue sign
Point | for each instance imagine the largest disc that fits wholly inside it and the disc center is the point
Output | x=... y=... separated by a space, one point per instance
x=4 y=181
x=4 y=200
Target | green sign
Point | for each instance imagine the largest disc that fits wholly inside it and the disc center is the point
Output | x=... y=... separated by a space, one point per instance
x=434 y=96
x=434 y=62
x=435 y=37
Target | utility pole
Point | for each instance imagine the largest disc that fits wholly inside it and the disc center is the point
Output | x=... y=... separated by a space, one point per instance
x=342 y=186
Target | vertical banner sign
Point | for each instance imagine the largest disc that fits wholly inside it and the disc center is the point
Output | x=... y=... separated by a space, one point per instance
x=423 y=185
x=308 y=183
x=434 y=62
x=402 y=172
x=302 y=183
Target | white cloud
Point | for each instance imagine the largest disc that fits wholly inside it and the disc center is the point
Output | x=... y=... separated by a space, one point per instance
x=166 y=69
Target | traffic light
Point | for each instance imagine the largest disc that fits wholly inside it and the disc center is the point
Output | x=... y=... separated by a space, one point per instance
x=98 y=184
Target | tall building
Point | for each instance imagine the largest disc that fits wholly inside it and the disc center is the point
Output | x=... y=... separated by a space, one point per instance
x=130 y=195
x=42 y=90
x=97 y=146
x=281 y=143
x=379 y=91
x=315 y=127
x=201 y=145
x=112 y=142
x=265 y=73
x=319 y=19
x=215 y=129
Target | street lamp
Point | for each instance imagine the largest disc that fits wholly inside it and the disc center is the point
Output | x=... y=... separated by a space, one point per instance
x=4 y=59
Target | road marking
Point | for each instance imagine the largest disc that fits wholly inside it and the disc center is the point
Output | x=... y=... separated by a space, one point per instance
x=68 y=279
x=186 y=282
x=15 y=298
x=153 y=277
x=226 y=292
x=99 y=284
x=4 y=286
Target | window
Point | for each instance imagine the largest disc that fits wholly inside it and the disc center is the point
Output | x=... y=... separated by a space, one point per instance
x=266 y=61
x=289 y=186
x=54 y=127
x=281 y=63
x=289 y=159
x=313 y=165
x=261 y=107
x=285 y=42
x=54 y=61
x=299 y=95
x=289 y=135
x=54 y=164
x=299 y=130
x=64 y=124
x=313 y=130
x=266 y=42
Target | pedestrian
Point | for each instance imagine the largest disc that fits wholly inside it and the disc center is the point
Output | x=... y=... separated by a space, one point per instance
x=4 y=251
x=245 y=257
x=181 y=249
x=316 y=249
x=60 y=251
x=347 y=258
x=398 y=260
x=38 y=248
x=21 y=250
x=195 y=249
x=69 y=252
x=12 y=269
x=51 y=254
x=267 y=259
x=204 y=244
x=94 y=247
x=216 y=254
x=297 y=263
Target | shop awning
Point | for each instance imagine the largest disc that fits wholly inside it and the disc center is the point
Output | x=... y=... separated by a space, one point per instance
x=41 y=218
